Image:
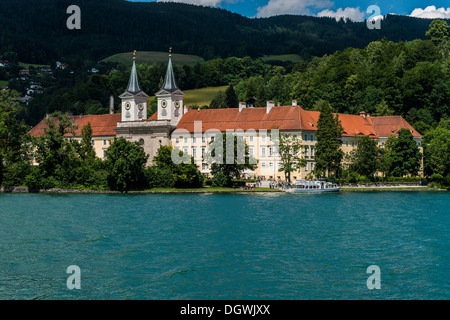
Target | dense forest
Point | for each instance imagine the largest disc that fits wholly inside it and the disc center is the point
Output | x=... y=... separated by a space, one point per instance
x=36 y=32
x=411 y=79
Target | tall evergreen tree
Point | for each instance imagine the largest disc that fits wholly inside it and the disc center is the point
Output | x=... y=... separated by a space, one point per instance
x=231 y=99
x=404 y=156
x=366 y=157
x=329 y=132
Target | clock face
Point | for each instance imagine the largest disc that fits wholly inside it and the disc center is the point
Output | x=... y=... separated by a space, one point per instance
x=164 y=103
x=127 y=106
x=141 y=106
x=177 y=104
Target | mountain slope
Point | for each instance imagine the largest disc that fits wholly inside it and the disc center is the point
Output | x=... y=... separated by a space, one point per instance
x=37 y=31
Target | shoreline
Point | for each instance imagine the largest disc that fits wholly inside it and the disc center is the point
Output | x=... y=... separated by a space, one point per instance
x=205 y=190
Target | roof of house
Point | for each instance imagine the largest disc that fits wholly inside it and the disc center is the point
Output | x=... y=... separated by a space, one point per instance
x=284 y=118
x=102 y=125
x=387 y=125
x=288 y=118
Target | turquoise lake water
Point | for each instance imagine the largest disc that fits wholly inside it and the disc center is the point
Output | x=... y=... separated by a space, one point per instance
x=225 y=246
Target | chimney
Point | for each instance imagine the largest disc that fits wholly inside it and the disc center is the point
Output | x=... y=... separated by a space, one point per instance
x=242 y=106
x=368 y=115
x=270 y=104
x=278 y=104
x=294 y=103
x=363 y=114
x=111 y=105
x=185 y=109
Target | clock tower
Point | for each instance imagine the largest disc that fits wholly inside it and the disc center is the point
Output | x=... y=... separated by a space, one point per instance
x=170 y=97
x=134 y=100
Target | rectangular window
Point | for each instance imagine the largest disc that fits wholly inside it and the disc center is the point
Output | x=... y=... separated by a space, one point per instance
x=263 y=138
x=312 y=166
x=203 y=166
x=185 y=140
x=212 y=138
x=306 y=137
x=346 y=143
x=194 y=152
x=353 y=143
x=104 y=153
x=306 y=151
x=312 y=151
x=263 y=165
x=312 y=137
x=93 y=142
x=185 y=150
x=271 y=165
x=263 y=152
x=250 y=151
x=271 y=151
x=194 y=140
x=250 y=138
x=104 y=142
x=203 y=139
x=177 y=140
x=306 y=167
x=203 y=152
x=279 y=166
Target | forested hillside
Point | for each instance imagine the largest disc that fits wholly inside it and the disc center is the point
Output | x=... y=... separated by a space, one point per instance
x=36 y=32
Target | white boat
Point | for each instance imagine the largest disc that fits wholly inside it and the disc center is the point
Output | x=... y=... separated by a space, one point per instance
x=316 y=186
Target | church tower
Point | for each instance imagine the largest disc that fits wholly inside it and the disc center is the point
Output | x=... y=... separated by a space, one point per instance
x=170 y=97
x=134 y=100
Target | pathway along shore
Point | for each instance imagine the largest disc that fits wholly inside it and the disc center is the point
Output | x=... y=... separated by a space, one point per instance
x=205 y=190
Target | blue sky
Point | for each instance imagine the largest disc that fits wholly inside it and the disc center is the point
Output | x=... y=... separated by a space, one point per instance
x=355 y=10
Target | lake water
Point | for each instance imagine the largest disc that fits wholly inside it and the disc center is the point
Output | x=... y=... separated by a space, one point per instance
x=225 y=246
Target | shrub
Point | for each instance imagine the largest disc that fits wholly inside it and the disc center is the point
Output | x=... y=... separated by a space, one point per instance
x=159 y=178
x=220 y=180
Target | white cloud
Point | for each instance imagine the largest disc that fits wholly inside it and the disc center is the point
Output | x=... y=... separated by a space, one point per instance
x=303 y=7
x=213 y=3
x=431 y=12
x=353 y=14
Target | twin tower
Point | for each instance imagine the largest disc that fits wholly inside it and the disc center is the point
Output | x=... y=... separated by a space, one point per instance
x=170 y=98
x=155 y=132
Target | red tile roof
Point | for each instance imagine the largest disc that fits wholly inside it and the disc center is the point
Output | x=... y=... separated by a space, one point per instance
x=385 y=126
x=286 y=118
x=102 y=125
x=283 y=118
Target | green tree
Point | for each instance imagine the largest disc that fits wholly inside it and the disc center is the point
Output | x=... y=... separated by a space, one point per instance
x=328 y=155
x=125 y=162
x=436 y=152
x=229 y=161
x=290 y=150
x=185 y=174
x=382 y=109
x=231 y=99
x=404 y=157
x=438 y=31
x=56 y=153
x=218 y=101
x=365 y=161
x=86 y=151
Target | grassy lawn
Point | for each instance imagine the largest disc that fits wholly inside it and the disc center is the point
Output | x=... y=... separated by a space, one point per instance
x=150 y=57
x=199 y=97
x=283 y=57
x=28 y=65
x=202 y=96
